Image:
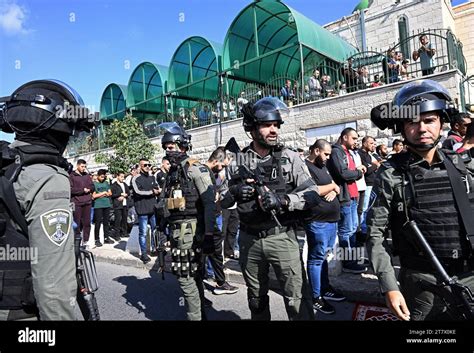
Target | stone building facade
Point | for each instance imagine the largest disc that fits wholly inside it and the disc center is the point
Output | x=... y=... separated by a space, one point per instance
x=326 y=118
x=307 y=122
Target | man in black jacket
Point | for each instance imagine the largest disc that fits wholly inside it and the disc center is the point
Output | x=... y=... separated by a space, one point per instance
x=368 y=148
x=120 y=194
x=145 y=190
x=342 y=168
x=163 y=171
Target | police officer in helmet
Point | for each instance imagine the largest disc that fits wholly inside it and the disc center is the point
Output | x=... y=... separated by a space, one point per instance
x=267 y=239
x=417 y=186
x=188 y=205
x=35 y=201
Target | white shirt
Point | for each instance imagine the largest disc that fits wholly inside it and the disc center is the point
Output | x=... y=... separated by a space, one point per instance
x=124 y=202
x=361 y=185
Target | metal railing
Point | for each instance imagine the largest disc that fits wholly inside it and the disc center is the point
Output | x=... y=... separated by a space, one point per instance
x=439 y=52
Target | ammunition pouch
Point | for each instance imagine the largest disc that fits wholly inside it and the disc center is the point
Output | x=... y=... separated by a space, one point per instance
x=184 y=257
x=177 y=203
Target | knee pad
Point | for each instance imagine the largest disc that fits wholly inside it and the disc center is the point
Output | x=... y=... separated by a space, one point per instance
x=258 y=304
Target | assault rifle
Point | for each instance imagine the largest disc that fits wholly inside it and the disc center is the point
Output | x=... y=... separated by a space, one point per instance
x=86 y=275
x=458 y=297
x=246 y=173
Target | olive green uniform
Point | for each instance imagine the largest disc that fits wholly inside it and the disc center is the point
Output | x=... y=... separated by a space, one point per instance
x=43 y=192
x=189 y=234
x=387 y=191
x=277 y=246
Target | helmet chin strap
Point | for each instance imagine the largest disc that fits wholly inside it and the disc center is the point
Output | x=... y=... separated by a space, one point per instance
x=422 y=147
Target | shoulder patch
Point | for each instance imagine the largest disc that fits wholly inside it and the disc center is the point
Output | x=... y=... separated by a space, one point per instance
x=56 y=225
x=203 y=169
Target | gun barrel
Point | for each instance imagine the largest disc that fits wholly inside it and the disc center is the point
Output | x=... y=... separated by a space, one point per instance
x=92 y=307
x=460 y=296
x=161 y=259
x=430 y=255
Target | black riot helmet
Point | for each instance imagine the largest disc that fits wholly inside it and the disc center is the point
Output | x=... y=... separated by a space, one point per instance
x=45 y=107
x=264 y=110
x=414 y=99
x=175 y=134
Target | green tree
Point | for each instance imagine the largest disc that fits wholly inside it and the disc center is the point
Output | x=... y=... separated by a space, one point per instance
x=129 y=142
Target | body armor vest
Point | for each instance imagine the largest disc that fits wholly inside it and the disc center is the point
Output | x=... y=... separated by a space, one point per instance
x=178 y=179
x=250 y=213
x=16 y=287
x=433 y=208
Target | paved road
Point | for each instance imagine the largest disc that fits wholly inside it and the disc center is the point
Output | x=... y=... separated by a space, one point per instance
x=128 y=293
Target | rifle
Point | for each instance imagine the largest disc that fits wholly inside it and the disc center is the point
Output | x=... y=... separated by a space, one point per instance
x=160 y=241
x=86 y=275
x=458 y=297
x=246 y=173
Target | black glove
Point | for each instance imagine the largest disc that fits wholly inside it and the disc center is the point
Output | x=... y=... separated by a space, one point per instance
x=271 y=201
x=242 y=192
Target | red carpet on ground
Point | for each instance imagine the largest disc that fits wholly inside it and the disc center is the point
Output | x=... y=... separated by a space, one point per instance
x=372 y=312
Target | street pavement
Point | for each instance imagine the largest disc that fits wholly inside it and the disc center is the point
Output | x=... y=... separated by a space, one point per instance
x=130 y=290
x=129 y=293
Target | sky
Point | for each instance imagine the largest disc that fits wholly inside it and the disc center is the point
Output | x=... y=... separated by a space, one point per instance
x=91 y=43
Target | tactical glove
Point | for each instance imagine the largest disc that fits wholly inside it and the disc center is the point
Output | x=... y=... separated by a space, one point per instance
x=271 y=201
x=242 y=192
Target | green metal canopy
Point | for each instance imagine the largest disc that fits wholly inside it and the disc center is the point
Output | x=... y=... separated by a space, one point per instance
x=193 y=69
x=113 y=102
x=277 y=38
x=146 y=88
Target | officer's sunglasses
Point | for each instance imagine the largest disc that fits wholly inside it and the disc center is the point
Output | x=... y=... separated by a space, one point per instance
x=147 y=165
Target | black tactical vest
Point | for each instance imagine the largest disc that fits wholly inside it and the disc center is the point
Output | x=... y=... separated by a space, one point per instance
x=434 y=210
x=178 y=179
x=250 y=213
x=16 y=287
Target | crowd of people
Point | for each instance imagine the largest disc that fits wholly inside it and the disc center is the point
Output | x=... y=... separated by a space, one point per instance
x=351 y=191
x=345 y=173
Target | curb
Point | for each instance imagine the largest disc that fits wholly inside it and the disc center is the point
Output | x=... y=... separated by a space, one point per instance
x=357 y=288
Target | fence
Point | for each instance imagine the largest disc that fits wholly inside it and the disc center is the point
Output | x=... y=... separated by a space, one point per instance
x=421 y=54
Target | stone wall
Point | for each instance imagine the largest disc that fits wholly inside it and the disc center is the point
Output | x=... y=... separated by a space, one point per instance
x=381 y=21
x=356 y=107
x=353 y=107
x=464 y=17
x=448 y=16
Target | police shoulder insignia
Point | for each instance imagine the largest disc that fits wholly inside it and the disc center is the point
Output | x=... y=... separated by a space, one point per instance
x=56 y=225
x=203 y=169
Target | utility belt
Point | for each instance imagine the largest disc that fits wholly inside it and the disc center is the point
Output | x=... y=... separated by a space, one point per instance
x=263 y=233
x=453 y=267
